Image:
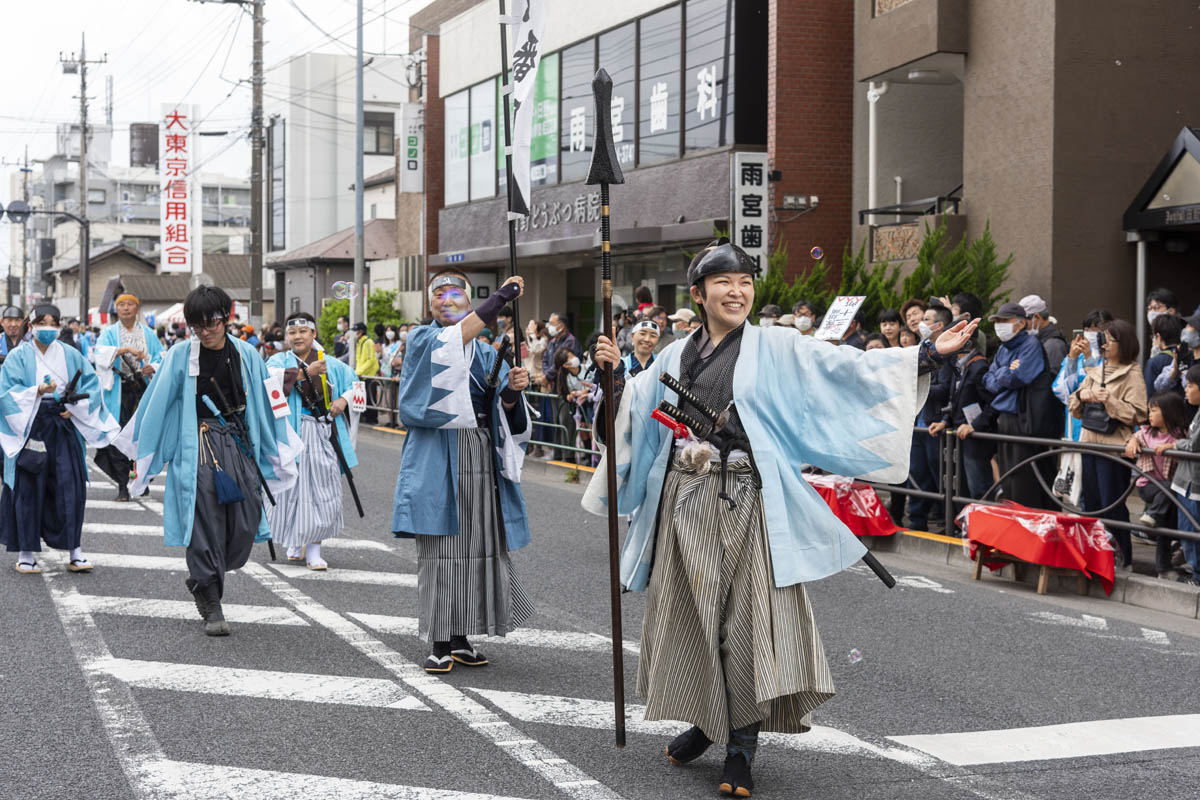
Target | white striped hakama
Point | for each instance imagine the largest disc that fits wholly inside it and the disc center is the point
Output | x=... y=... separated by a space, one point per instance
x=722 y=646
x=466 y=583
x=311 y=511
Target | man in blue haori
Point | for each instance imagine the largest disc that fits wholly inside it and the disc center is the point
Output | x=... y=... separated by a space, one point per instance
x=311 y=511
x=205 y=409
x=459 y=488
x=725 y=532
x=126 y=356
x=50 y=406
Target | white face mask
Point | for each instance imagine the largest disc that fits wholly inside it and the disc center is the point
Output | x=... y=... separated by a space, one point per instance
x=552 y=330
x=1005 y=330
x=803 y=323
x=925 y=330
x=766 y=322
x=390 y=335
x=342 y=326
x=1153 y=315
x=573 y=363
x=403 y=335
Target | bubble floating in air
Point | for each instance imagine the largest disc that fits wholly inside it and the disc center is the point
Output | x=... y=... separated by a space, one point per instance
x=817 y=253
x=339 y=290
x=1118 y=62
x=855 y=656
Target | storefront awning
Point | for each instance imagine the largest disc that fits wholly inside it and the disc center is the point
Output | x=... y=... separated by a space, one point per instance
x=1170 y=198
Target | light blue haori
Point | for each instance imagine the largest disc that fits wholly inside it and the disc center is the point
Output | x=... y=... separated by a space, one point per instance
x=165 y=432
x=802 y=402
x=105 y=356
x=435 y=402
x=19 y=403
x=340 y=379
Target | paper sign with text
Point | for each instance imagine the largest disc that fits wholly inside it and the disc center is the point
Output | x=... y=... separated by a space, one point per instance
x=358 y=398
x=839 y=316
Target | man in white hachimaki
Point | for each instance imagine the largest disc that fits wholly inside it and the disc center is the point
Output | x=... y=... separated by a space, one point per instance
x=50 y=406
x=725 y=531
x=311 y=511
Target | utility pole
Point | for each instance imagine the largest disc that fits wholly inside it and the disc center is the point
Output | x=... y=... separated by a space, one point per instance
x=80 y=65
x=26 y=284
x=358 y=302
x=256 y=173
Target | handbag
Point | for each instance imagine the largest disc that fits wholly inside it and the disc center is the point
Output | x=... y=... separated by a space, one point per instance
x=1095 y=417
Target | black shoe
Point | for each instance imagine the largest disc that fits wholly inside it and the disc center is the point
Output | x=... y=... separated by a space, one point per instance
x=687 y=746
x=215 y=624
x=735 y=778
x=201 y=598
x=122 y=494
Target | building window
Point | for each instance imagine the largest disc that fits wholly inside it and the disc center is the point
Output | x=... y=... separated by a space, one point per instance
x=483 y=140
x=660 y=57
x=97 y=196
x=708 y=75
x=374 y=206
x=457 y=148
x=618 y=56
x=379 y=133
x=575 y=126
x=543 y=145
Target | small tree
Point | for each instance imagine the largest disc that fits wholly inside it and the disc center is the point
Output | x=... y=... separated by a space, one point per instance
x=381 y=308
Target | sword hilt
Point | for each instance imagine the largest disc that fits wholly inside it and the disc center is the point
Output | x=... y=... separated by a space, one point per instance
x=678 y=388
x=681 y=416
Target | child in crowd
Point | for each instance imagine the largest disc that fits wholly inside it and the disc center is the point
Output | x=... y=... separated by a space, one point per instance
x=908 y=338
x=876 y=341
x=1186 y=482
x=1168 y=421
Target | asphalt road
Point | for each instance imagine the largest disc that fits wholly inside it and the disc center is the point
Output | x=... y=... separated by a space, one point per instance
x=112 y=690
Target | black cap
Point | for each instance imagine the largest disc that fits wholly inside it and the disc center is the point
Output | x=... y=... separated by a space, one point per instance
x=1009 y=311
x=361 y=327
x=12 y=312
x=1193 y=320
x=770 y=310
x=720 y=256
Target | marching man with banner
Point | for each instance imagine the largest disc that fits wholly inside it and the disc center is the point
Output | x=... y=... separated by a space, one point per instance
x=319 y=393
x=208 y=415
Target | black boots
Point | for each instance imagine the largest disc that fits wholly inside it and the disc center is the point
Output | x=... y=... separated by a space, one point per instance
x=687 y=746
x=208 y=603
x=122 y=494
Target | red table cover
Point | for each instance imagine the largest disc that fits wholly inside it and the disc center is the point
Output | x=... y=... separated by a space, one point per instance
x=1041 y=537
x=855 y=504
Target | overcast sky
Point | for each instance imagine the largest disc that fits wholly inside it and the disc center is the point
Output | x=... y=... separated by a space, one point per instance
x=161 y=51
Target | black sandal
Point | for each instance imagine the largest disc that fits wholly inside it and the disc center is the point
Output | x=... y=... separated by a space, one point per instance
x=687 y=746
x=735 y=778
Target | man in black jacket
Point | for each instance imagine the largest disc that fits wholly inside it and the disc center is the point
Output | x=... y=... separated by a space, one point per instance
x=970 y=409
x=925 y=456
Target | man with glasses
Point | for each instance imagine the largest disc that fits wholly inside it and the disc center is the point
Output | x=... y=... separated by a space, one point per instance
x=130 y=349
x=209 y=413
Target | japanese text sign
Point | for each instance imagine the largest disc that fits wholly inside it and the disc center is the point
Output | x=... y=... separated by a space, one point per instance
x=839 y=316
x=751 y=209
x=179 y=211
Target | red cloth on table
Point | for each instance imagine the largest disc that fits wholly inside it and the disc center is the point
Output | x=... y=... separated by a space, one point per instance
x=855 y=504
x=1041 y=537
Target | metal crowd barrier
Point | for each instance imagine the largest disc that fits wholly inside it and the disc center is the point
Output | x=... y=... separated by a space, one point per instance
x=950 y=494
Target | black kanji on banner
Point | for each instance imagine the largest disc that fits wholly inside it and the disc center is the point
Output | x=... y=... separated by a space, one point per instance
x=525 y=59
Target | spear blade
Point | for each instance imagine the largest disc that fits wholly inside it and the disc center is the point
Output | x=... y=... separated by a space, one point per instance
x=605 y=168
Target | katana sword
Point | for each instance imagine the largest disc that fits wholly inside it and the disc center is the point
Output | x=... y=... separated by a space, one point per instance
x=606 y=170
x=316 y=404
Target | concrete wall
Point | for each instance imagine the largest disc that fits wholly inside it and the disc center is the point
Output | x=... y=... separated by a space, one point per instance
x=910 y=31
x=1125 y=84
x=1008 y=134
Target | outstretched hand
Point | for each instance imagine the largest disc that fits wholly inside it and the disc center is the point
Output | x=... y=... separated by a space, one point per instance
x=953 y=339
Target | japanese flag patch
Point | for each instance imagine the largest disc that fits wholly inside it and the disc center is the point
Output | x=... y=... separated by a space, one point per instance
x=275 y=395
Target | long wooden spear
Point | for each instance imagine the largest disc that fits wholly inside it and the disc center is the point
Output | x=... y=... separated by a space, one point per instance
x=606 y=170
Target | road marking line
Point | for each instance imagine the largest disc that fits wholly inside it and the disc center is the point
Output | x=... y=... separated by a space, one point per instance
x=186 y=610
x=1082 y=621
x=135 y=506
x=123 y=528
x=583 y=713
x=1155 y=637
x=295 y=571
x=265 y=684
x=165 y=563
x=182 y=779
x=1050 y=742
x=466 y=709
x=526 y=637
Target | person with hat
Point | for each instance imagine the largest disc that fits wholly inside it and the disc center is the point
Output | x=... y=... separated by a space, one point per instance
x=1041 y=325
x=768 y=315
x=311 y=511
x=645 y=340
x=725 y=530
x=130 y=349
x=209 y=415
x=682 y=321
x=458 y=492
x=50 y=409
x=13 y=325
x=1019 y=361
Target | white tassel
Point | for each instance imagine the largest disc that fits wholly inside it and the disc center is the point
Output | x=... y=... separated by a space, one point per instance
x=697 y=454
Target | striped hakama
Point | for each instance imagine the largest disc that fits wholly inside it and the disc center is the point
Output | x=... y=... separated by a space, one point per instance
x=311 y=511
x=466 y=583
x=722 y=646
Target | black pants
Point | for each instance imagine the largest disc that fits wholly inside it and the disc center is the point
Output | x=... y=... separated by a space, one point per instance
x=1103 y=482
x=222 y=535
x=1159 y=506
x=109 y=459
x=47 y=498
x=1022 y=486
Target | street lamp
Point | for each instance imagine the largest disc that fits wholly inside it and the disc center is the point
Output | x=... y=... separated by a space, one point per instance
x=18 y=212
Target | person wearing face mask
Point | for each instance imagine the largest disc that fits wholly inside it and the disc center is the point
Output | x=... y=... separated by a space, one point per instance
x=216 y=519
x=1171 y=377
x=1041 y=326
x=768 y=315
x=806 y=316
x=391 y=359
x=681 y=322
x=969 y=410
x=341 y=341
x=1019 y=362
x=44 y=438
x=1158 y=302
x=559 y=339
x=458 y=492
x=573 y=408
x=1165 y=332
x=1082 y=356
x=535 y=347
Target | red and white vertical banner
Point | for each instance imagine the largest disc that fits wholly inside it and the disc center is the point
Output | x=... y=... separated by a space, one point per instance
x=179 y=202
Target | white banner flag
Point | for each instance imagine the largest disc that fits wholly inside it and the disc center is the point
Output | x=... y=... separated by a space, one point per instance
x=179 y=212
x=530 y=21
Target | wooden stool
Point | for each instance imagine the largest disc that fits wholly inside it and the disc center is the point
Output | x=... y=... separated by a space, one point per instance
x=984 y=553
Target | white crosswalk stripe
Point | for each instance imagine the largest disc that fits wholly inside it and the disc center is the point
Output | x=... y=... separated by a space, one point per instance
x=266 y=684
x=347 y=575
x=133 y=506
x=527 y=637
x=186 y=610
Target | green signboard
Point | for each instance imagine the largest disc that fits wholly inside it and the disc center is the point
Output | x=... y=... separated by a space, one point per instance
x=543 y=147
